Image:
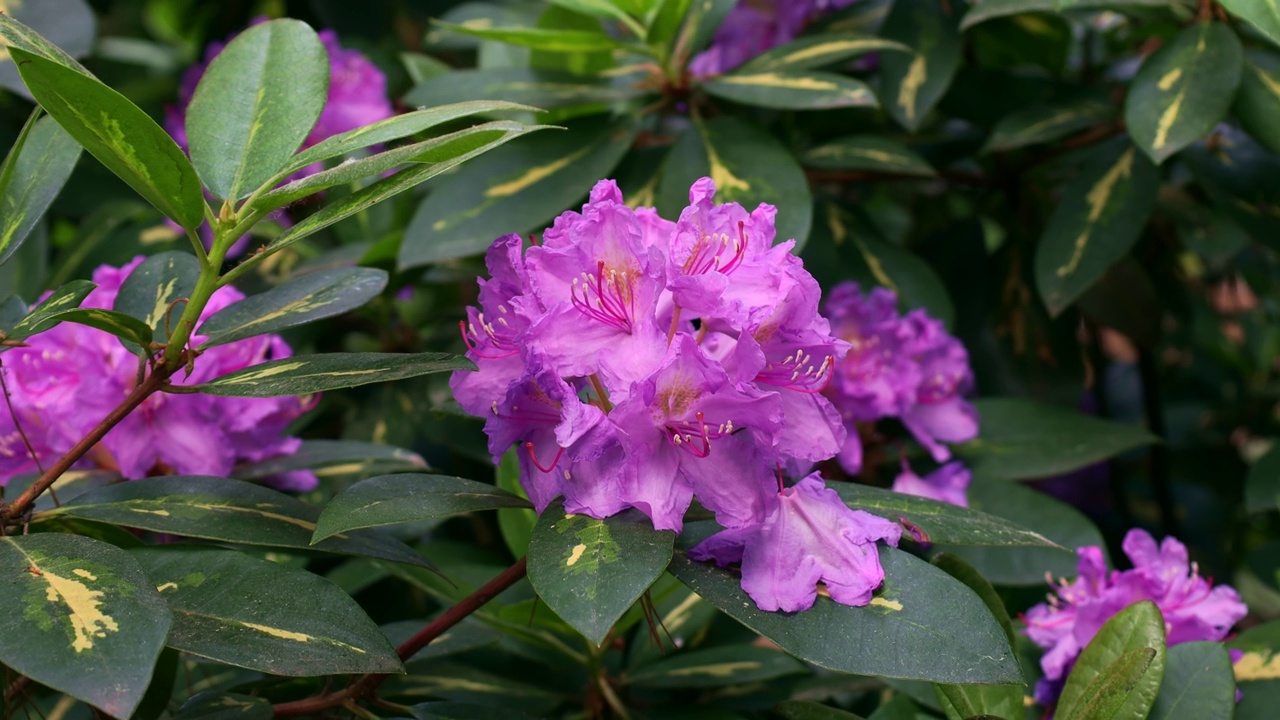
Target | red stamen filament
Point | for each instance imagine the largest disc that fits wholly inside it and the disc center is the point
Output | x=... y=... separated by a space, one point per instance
x=613 y=303
x=533 y=457
x=473 y=339
x=686 y=435
x=709 y=251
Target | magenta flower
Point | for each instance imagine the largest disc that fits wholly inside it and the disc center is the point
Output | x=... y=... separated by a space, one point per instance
x=946 y=484
x=810 y=536
x=754 y=26
x=1192 y=608
x=69 y=377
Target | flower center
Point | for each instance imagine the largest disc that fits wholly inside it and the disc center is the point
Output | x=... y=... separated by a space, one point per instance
x=695 y=436
x=607 y=296
x=797 y=372
x=717 y=252
x=489 y=340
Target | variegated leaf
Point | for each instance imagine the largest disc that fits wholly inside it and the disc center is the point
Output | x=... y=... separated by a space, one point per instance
x=816 y=51
x=868 y=152
x=791 y=90
x=913 y=83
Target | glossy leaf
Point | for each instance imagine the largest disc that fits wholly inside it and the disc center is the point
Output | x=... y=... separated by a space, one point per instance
x=1044 y=123
x=868 y=152
x=791 y=90
x=1198 y=684
x=327 y=458
x=31 y=177
x=543 y=39
x=1119 y=672
x=1257 y=102
x=716 y=667
x=304 y=299
x=1102 y=214
x=1183 y=89
x=591 y=571
x=126 y=327
x=1263 y=15
x=114 y=130
x=939 y=629
x=264 y=616
x=940 y=522
x=233 y=511
x=56 y=29
x=1011 y=444
x=914 y=83
x=816 y=51
x=79 y=616
x=408 y=497
x=45 y=315
x=308 y=374
x=153 y=290
x=1262 y=484
x=544 y=88
x=514 y=190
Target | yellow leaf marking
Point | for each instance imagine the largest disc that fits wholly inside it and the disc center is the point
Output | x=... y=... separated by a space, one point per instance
x=1033 y=24
x=1269 y=82
x=8 y=7
x=1167 y=119
x=534 y=175
x=720 y=173
x=1097 y=198
x=78 y=572
x=826 y=48
x=87 y=619
x=278 y=633
x=161 y=513
x=301 y=305
x=1166 y=82
x=343 y=469
x=719 y=670
x=270 y=515
x=793 y=83
x=889 y=604
x=681 y=613
x=881 y=156
x=167 y=586
x=257 y=375
x=917 y=73
x=1052 y=120
x=1257 y=666
x=576 y=555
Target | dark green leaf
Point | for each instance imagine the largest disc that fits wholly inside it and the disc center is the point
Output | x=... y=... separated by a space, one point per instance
x=516 y=525
x=408 y=497
x=304 y=299
x=1044 y=123
x=31 y=177
x=327 y=458
x=45 y=315
x=466 y=635
x=260 y=615
x=939 y=629
x=1262 y=485
x=152 y=291
x=308 y=374
x=791 y=90
x=941 y=522
x=255 y=104
x=1264 y=15
x=816 y=51
x=465 y=684
x=1118 y=674
x=914 y=83
x=80 y=617
x=543 y=39
x=114 y=130
x=217 y=705
x=1242 y=178
x=56 y=29
x=1257 y=102
x=126 y=327
x=1101 y=215
x=1183 y=89
x=990 y=9
x=1198 y=684
x=1011 y=443
x=514 y=190
x=544 y=88
x=227 y=510
x=868 y=152
x=716 y=667
x=590 y=571
x=806 y=710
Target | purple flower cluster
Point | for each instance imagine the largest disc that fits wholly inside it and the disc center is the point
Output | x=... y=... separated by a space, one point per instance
x=946 y=484
x=66 y=379
x=754 y=26
x=1192 y=608
x=638 y=362
x=903 y=366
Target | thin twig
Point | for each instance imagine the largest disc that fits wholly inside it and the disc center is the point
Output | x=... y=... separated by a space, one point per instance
x=16 y=688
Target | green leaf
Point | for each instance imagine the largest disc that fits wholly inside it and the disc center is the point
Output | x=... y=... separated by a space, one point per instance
x=1263 y=15
x=716 y=667
x=264 y=616
x=152 y=291
x=914 y=83
x=605 y=10
x=1242 y=178
x=806 y=710
x=255 y=104
x=408 y=497
x=868 y=152
x=56 y=29
x=516 y=525
x=1257 y=102
x=1183 y=89
x=1044 y=123
x=544 y=88
x=1118 y=674
x=1011 y=442
x=543 y=39
x=45 y=315
x=126 y=327
x=1262 y=484
x=1101 y=215
x=816 y=51
x=328 y=458
x=514 y=190
x=308 y=374
x=590 y=571
x=80 y=617
x=304 y=299
x=939 y=629
x=114 y=130
x=940 y=522
x=791 y=90
x=32 y=175
x=1198 y=684
x=217 y=705
x=233 y=511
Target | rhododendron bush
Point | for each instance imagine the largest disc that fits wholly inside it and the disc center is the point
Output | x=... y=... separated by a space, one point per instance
x=639 y=359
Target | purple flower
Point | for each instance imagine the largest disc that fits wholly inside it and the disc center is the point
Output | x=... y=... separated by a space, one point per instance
x=946 y=484
x=810 y=536
x=754 y=26
x=1192 y=608
x=69 y=377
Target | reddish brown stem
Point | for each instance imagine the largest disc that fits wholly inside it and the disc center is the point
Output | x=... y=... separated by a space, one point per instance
x=368 y=683
x=140 y=392
x=16 y=687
